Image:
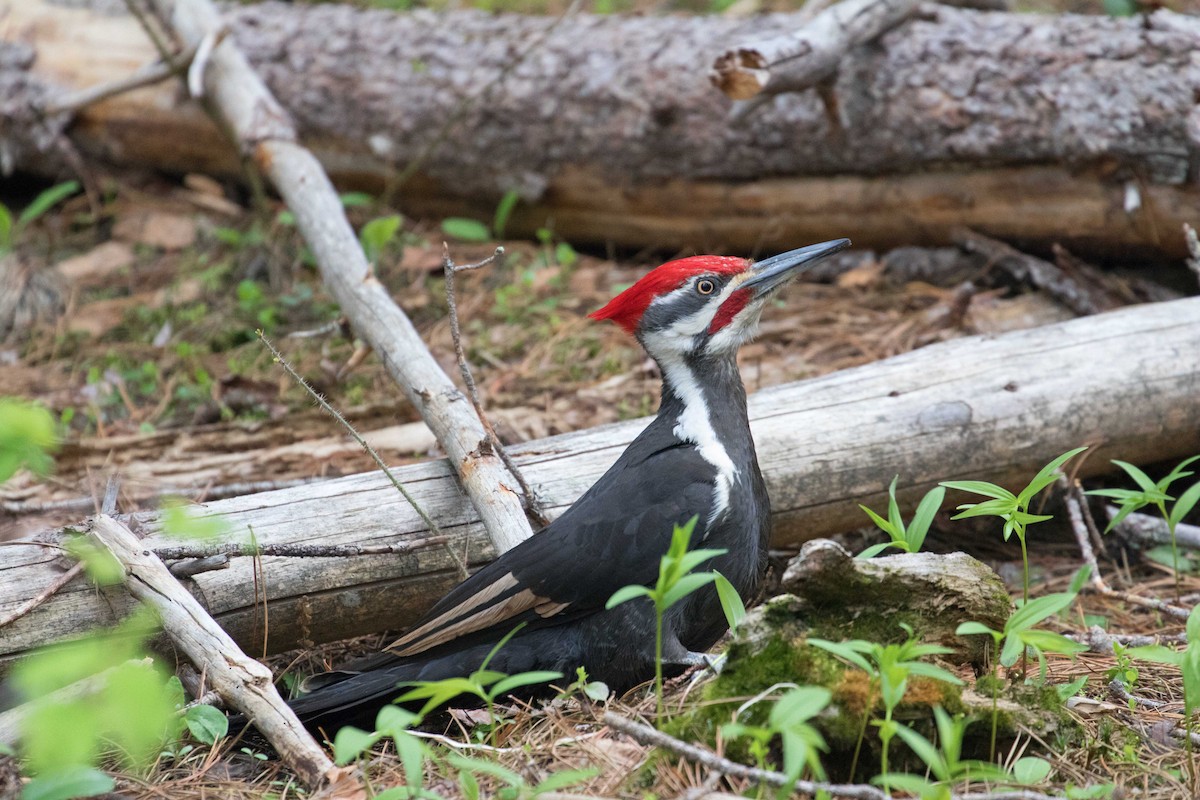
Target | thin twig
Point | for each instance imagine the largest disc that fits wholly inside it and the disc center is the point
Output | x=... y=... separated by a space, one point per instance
x=1077 y=511
x=459 y=561
x=146 y=76
x=532 y=504
x=1099 y=640
x=333 y=412
x=42 y=596
x=1117 y=689
x=295 y=550
x=654 y=738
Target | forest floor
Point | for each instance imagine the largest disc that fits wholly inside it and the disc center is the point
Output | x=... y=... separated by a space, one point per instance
x=154 y=370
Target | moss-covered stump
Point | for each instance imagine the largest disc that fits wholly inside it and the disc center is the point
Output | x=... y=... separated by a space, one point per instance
x=842 y=597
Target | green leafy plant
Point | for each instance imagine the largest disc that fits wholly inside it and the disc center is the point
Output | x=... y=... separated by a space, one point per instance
x=789 y=720
x=907 y=538
x=1124 y=671
x=1150 y=493
x=377 y=234
x=27 y=437
x=472 y=230
x=12 y=230
x=516 y=788
x=1019 y=635
x=889 y=667
x=596 y=691
x=1188 y=661
x=130 y=707
x=484 y=683
x=945 y=762
x=676 y=580
x=1012 y=508
x=392 y=722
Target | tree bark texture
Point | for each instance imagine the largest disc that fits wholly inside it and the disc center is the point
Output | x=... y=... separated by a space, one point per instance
x=993 y=408
x=1082 y=130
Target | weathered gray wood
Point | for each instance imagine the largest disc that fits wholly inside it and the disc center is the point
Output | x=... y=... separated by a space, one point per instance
x=993 y=408
x=243 y=683
x=1044 y=128
x=264 y=131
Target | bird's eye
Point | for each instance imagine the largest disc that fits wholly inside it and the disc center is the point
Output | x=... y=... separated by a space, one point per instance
x=705 y=286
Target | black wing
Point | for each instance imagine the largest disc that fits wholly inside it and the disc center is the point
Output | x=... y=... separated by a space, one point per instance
x=615 y=535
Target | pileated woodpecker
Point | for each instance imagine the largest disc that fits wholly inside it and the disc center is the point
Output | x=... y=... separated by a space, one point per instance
x=696 y=459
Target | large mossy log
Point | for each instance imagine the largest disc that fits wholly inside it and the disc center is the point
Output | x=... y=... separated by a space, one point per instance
x=996 y=408
x=1079 y=130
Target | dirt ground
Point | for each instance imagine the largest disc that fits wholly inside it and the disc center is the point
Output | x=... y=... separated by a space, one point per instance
x=139 y=335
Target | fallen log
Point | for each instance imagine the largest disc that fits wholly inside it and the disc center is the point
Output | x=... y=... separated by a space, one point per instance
x=992 y=407
x=1005 y=123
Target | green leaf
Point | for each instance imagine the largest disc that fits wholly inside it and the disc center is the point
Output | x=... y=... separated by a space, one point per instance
x=1140 y=478
x=27 y=435
x=1050 y=642
x=921 y=669
x=392 y=720
x=377 y=234
x=68 y=782
x=523 y=679
x=179 y=519
x=800 y=705
x=1031 y=771
x=847 y=651
x=561 y=780
x=894 y=518
x=988 y=508
x=685 y=586
x=1175 y=474
x=1046 y=476
x=980 y=487
x=1011 y=651
x=1193 y=627
x=1183 y=506
x=6 y=226
x=351 y=742
x=731 y=601
x=1159 y=654
x=46 y=201
x=973 y=628
x=923 y=518
x=504 y=210
x=1037 y=610
x=479 y=765
x=351 y=199
x=466 y=230
x=881 y=523
x=1068 y=690
x=925 y=751
x=625 y=594
x=876 y=549
x=206 y=724
x=1123 y=511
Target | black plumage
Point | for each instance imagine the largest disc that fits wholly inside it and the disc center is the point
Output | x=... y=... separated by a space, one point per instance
x=696 y=458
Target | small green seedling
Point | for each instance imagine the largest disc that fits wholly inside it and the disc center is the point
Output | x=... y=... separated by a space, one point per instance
x=945 y=762
x=392 y=722
x=676 y=580
x=1012 y=508
x=1019 y=635
x=27 y=437
x=907 y=538
x=12 y=230
x=889 y=667
x=484 y=683
x=1154 y=494
x=1188 y=661
x=789 y=720
x=516 y=787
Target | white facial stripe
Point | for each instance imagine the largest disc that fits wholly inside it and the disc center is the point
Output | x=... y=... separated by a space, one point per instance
x=695 y=426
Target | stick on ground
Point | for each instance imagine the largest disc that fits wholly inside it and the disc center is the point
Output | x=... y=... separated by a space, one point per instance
x=241 y=682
